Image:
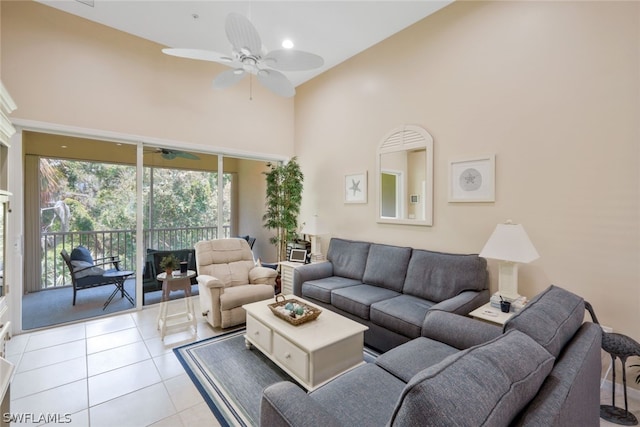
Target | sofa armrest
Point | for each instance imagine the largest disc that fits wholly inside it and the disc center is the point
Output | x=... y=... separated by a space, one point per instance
x=285 y=404
x=457 y=331
x=209 y=281
x=313 y=271
x=463 y=303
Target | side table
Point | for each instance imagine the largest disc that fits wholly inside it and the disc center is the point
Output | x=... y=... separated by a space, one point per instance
x=491 y=314
x=119 y=277
x=286 y=276
x=175 y=282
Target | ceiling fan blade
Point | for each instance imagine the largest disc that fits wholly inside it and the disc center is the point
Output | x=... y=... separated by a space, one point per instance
x=228 y=78
x=201 y=54
x=186 y=155
x=293 y=60
x=276 y=82
x=168 y=154
x=242 y=34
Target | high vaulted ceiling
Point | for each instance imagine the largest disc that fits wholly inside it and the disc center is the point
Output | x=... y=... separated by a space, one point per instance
x=335 y=30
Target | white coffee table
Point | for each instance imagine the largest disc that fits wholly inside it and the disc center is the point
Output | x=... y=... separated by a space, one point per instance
x=313 y=352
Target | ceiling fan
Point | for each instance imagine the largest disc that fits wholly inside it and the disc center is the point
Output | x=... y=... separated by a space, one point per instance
x=249 y=57
x=172 y=154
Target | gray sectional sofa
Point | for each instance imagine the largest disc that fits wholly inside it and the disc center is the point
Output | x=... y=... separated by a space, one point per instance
x=541 y=369
x=391 y=289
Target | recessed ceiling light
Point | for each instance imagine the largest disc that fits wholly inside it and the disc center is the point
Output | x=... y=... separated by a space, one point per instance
x=287 y=44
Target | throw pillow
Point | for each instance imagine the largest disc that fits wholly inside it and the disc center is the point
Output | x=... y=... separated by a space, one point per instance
x=82 y=265
x=81 y=254
x=485 y=385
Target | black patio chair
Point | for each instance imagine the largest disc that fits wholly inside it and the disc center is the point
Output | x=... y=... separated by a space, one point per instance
x=150 y=283
x=87 y=272
x=250 y=240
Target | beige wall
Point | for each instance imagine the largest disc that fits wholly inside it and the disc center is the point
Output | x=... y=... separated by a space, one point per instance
x=64 y=70
x=551 y=88
x=69 y=71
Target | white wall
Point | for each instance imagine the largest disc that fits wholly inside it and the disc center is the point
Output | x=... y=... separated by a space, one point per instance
x=551 y=88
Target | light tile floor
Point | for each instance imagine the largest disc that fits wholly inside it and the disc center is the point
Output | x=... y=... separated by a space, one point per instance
x=113 y=371
x=116 y=371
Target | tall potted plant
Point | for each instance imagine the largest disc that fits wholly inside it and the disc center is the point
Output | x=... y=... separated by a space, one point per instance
x=283 y=199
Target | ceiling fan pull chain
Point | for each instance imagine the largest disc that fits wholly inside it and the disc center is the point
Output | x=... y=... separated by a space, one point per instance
x=250 y=87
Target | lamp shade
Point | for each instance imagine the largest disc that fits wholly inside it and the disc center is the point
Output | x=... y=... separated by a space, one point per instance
x=509 y=242
x=313 y=227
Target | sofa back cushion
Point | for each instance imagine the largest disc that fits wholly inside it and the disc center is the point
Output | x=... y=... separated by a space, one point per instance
x=437 y=276
x=551 y=318
x=349 y=257
x=486 y=385
x=387 y=266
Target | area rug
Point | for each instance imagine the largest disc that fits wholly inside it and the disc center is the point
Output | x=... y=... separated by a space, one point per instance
x=231 y=378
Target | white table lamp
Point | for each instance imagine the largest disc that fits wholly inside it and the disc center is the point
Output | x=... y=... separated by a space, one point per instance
x=314 y=228
x=510 y=245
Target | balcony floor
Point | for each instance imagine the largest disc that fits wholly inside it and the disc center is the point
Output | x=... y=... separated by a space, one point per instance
x=54 y=306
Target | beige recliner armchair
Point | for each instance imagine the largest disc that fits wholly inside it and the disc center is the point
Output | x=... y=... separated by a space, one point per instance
x=228 y=278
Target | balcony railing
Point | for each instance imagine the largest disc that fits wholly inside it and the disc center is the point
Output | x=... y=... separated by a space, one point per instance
x=54 y=272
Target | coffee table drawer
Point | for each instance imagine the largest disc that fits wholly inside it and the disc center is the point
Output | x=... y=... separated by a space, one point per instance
x=259 y=334
x=291 y=356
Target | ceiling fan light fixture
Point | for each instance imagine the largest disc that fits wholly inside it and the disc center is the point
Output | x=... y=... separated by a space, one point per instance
x=249 y=56
x=287 y=44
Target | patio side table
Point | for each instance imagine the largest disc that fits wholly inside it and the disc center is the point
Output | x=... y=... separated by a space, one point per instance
x=119 y=278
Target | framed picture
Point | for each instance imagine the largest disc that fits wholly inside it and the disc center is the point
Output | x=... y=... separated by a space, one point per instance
x=355 y=188
x=472 y=180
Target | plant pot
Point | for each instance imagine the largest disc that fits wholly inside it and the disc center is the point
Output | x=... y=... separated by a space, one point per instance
x=169 y=271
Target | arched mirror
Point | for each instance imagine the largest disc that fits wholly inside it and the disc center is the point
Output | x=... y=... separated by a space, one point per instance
x=404 y=177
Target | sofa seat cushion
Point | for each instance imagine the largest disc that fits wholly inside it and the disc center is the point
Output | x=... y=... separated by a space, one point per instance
x=236 y=296
x=361 y=397
x=357 y=299
x=320 y=289
x=485 y=385
x=387 y=266
x=408 y=359
x=551 y=318
x=403 y=314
